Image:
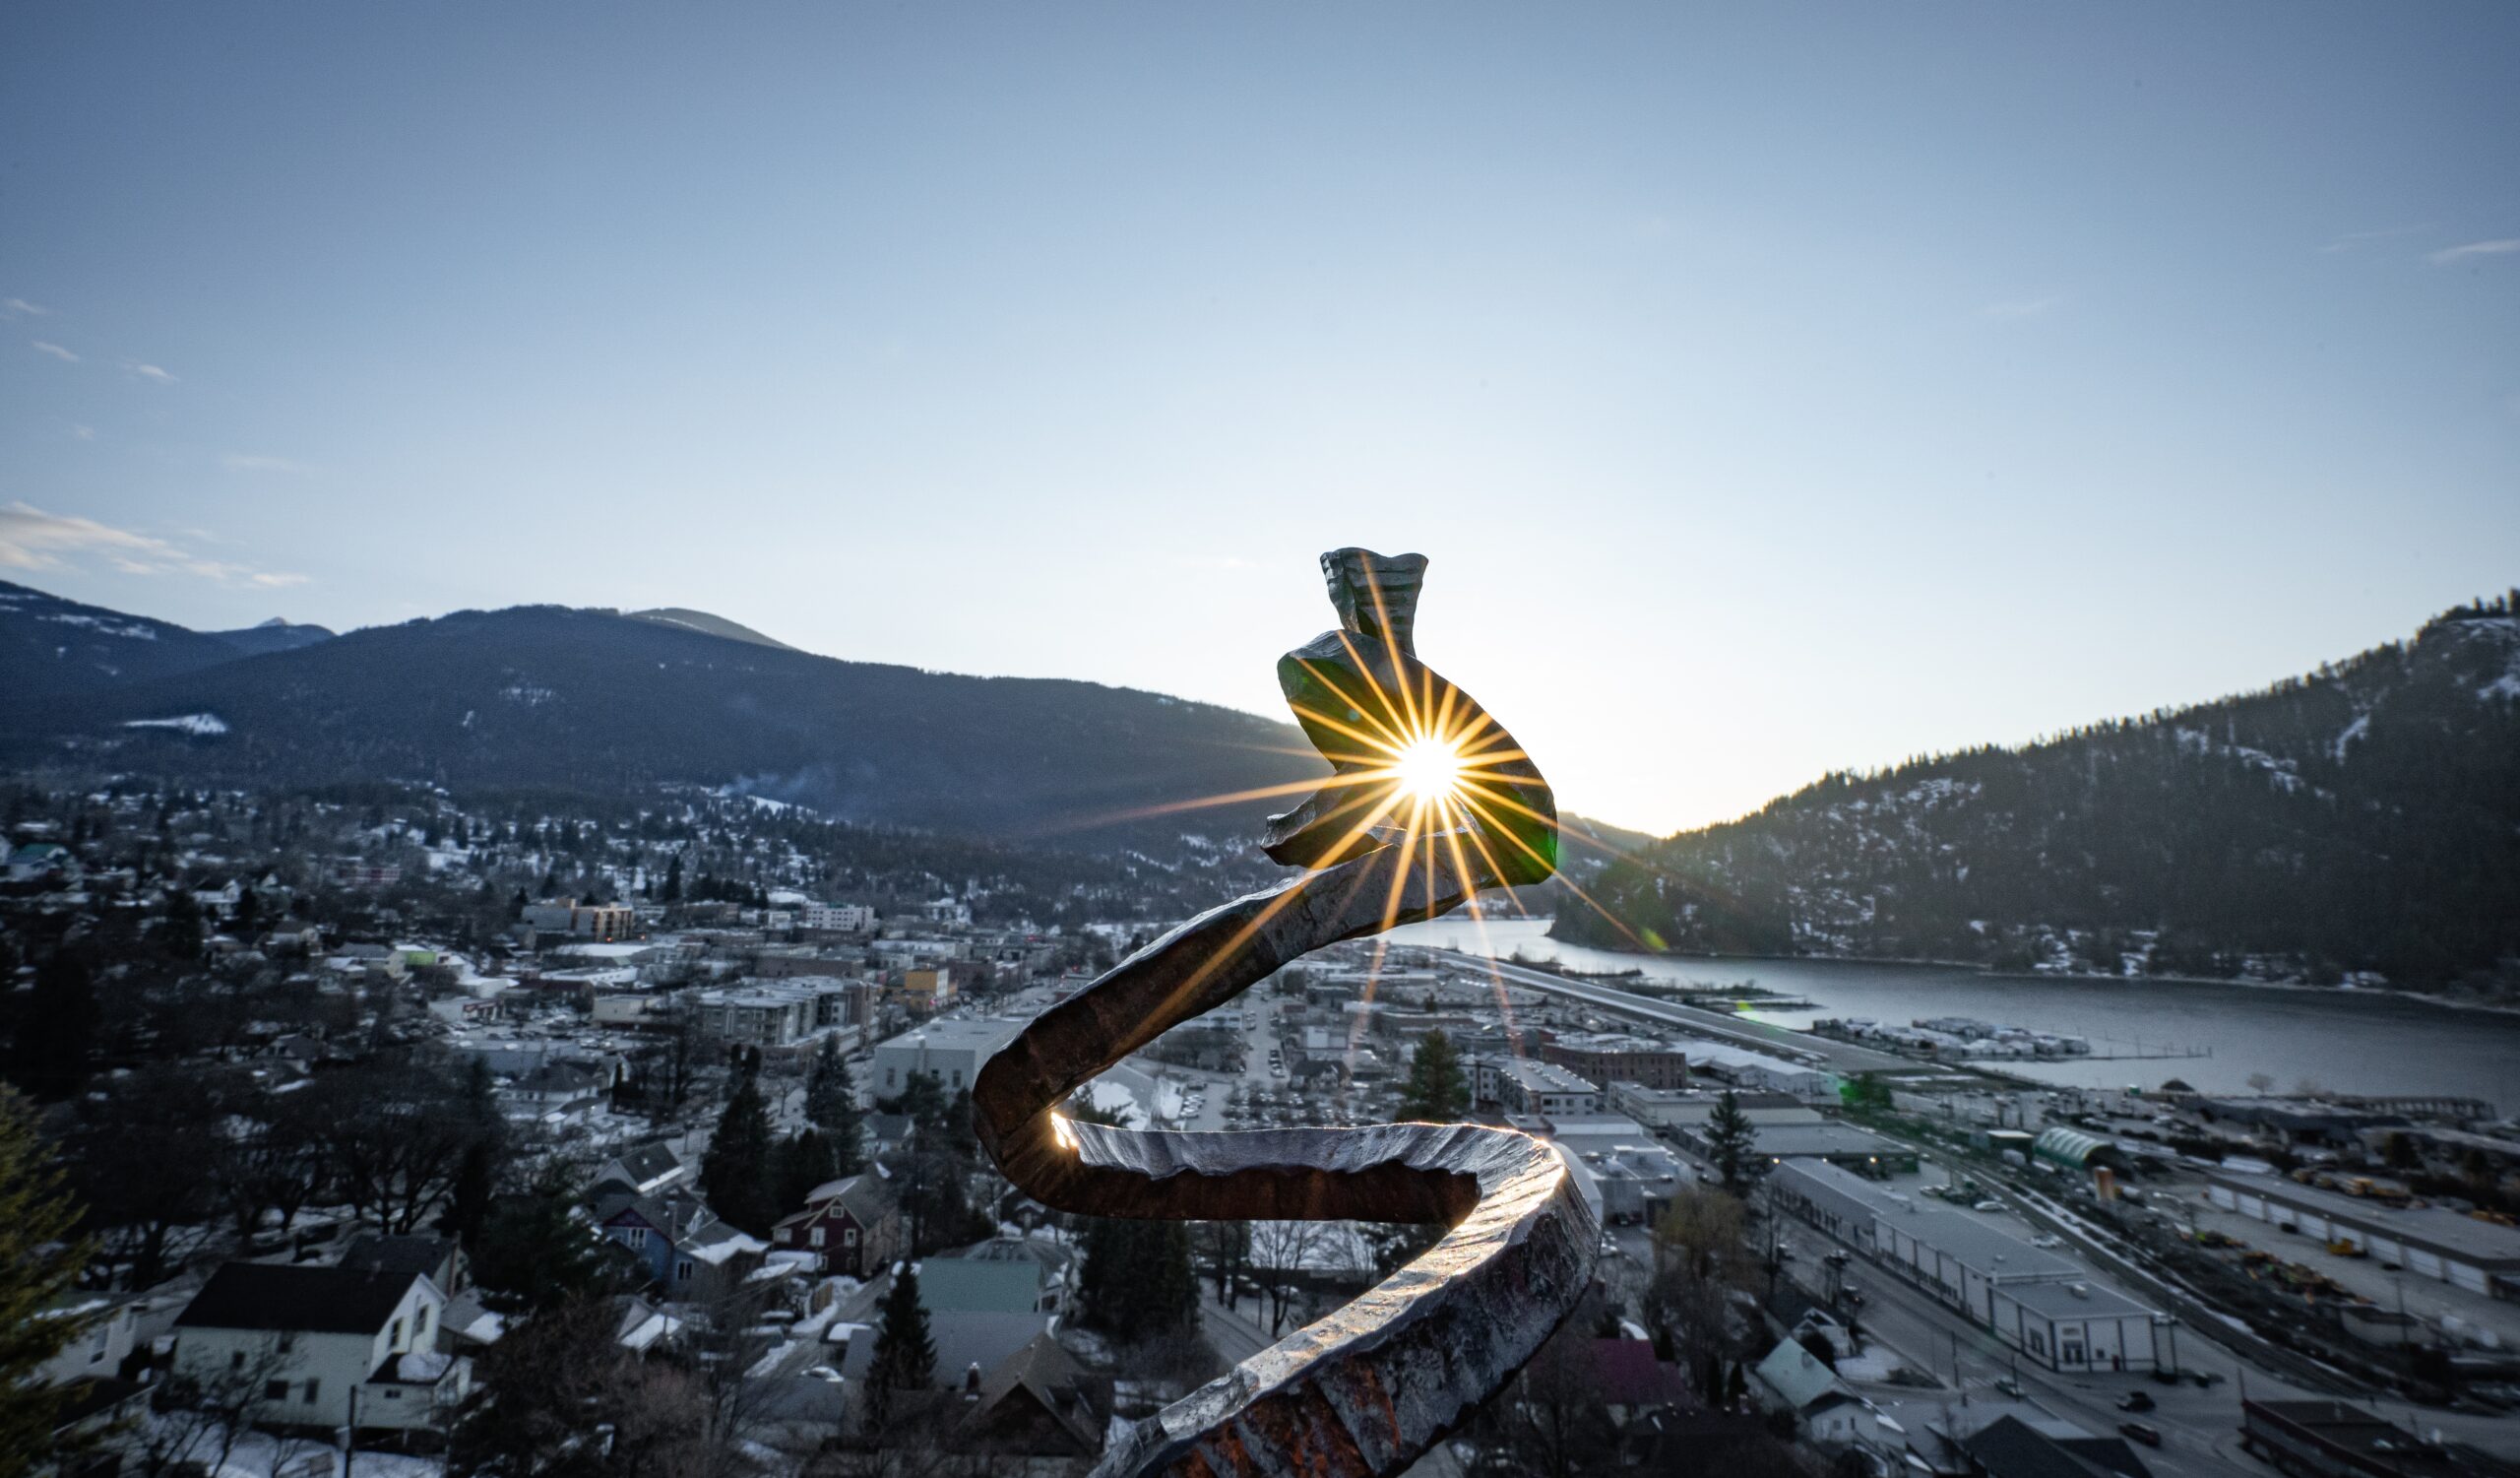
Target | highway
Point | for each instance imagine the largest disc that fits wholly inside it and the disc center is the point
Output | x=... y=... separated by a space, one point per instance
x=1838 y=1056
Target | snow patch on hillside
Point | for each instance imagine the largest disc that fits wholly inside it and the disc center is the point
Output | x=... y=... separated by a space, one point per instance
x=132 y=629
x=2361 y=726
x=202 y=724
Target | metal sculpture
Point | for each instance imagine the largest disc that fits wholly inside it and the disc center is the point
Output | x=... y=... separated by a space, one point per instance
x=1431 y=802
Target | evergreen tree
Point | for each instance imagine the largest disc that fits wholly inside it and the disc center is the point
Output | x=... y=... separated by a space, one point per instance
x=800 y=1162
x=60 y=1028
x=961 y=1136
x=1731 y=1143
x=734 y=1174
x=831 y=1102
x=180 y=930
x=922 y=1098
x=1436 y=1092
x=38 y=1259
x=537 y=1254
x=485 y=1151
x=672 y=890
x=904 y=1353
x=1137 y=1282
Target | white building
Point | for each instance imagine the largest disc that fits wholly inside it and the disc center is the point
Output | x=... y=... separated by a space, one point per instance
x=321 y=1342
x=952 y=1051
x=848 y=918
x=102 y=1345
x=2038 y=1302
x=1526 y=1086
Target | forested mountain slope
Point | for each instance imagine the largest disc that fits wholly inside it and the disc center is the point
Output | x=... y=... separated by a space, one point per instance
x=50 y=647
x=2364 y=819
x=591 y=701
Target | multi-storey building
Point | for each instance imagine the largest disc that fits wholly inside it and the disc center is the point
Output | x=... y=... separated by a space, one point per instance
x=1605 y=1057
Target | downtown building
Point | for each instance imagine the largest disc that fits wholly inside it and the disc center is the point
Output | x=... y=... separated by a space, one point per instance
x=1606 y=1058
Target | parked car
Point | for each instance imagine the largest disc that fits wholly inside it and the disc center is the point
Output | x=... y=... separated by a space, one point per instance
x=2049 y=1240
x=1988 y=1205
x=2007 y=1385
x=2150 y=1437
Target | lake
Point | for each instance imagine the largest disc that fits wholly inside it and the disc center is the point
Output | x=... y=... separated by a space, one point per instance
x=2347 y=1041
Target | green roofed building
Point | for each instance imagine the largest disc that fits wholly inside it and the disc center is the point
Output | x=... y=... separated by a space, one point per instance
x=2073 y=1149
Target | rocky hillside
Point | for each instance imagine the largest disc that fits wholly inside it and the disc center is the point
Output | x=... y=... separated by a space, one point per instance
x=2363 y=819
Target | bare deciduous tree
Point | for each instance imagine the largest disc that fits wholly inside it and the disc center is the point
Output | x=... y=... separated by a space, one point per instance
x=1279 y=1252
x=199 y=1419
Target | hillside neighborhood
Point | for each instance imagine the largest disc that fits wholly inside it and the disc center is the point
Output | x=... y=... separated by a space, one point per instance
x=394 y=1120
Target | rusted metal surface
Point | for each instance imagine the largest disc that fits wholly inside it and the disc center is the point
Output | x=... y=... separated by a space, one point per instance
x=1368 y=1388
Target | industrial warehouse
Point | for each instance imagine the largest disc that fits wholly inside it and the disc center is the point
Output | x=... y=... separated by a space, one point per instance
x=2465 y=1252
x=2035 y=1301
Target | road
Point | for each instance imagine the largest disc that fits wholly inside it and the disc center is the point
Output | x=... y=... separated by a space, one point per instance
x=1839 y=1056
x=2199 y=1428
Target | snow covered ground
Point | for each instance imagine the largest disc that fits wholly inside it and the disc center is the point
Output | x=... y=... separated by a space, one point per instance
x=260 y=1455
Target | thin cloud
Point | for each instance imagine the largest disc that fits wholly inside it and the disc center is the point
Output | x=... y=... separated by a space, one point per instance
x=2502 y=248
x=2021 y=307
x=243 y=462
x=149 y=372
x=19 y=307
x=83 y=433
x=55 y=349
x=31 y=538
x=2355 y=240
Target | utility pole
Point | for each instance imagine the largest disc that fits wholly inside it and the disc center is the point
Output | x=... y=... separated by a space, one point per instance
x=349 y=1434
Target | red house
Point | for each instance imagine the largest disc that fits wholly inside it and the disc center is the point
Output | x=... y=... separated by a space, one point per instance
x=853 y=1224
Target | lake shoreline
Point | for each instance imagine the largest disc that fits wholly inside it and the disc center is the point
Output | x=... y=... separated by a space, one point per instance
x=2075 y=977
x=2362 y=1042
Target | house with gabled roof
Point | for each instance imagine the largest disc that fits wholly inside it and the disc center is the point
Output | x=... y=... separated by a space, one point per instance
x=441 y=1257
x=1825 y=1408
x=556 y=1088
x=38 y=859
x=644 y=1169
x=1040 y=1403
x=685 y=1249
x=327 y=1346
x=853 y=1224
x=2010 y=1447
x=1054 y=1265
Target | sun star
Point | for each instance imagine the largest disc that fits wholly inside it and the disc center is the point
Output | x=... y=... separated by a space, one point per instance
x=1429 y=768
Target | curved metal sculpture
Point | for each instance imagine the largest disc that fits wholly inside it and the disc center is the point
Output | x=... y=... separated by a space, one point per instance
x=1431 y=802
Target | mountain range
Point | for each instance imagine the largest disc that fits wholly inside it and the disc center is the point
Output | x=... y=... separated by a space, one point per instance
x=543 y=696
x=2359 y=822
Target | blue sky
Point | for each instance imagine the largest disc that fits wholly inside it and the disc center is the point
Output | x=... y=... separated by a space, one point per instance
x=1776 y=388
